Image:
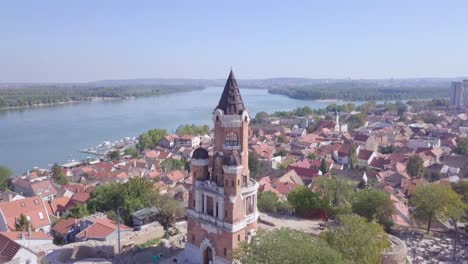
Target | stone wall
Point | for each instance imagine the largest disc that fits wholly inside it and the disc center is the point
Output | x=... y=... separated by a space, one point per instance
x=397 y=252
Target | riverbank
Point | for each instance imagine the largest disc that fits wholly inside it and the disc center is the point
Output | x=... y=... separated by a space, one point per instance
x=94 y=99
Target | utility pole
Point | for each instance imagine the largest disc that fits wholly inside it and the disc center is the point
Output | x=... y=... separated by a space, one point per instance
x=118 y=228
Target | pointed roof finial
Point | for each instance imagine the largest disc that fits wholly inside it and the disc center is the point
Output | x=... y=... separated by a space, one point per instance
x=231 y=101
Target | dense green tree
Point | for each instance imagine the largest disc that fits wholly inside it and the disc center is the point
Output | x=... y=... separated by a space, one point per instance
x=22 y=223
x=286 y=246
x=303 y=200
x=5 y=173
x=432 y=176
x=130 y=197
x=311 y=155
x=358 y=240
x=150 y=139
x=336 y=193
x=114 y=154
x=374 y=205
x=352 y=158
x=282 y=153
x=58 y=175
x=415 y=166
x=461 y=188
x=132 y=151
x=281 y=139
x=79 y=211
x=436 y=200
x=254 y=164
x=192 y=130
x=462 y=146
x=261 y=115
x=173 y=164
x=284 y=165
x=357 y=120
x=323 y=166
x=267 y=202
x=169 y=209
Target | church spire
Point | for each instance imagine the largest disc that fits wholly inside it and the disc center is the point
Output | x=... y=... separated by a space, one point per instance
x=231 y=101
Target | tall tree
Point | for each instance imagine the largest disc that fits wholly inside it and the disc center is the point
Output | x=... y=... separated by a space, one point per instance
x=286 y=246
x=374 y=205
x=22 y=223
x=352 y=158
x=5 y=173
x=114 y=155
x=267 y=202
x=304 y=200
x=132 y=151
x=462 y=146
x=336 y=193
x=436 y=200
x=58 y=174
x=79 y=211
x=254 y=164
x=415 y=166
x=358 y=240
x=169 y=209
x=323 y=166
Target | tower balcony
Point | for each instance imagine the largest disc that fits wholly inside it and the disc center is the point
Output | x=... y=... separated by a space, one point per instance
x=210 y=187
x=249 y=187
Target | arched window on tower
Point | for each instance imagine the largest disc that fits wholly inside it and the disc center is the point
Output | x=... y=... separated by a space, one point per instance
x=231 y=139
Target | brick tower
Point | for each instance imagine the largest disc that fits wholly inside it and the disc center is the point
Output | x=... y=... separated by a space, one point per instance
x=222 y=209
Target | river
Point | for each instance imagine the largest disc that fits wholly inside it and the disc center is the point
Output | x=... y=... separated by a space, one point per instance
x=44 y=135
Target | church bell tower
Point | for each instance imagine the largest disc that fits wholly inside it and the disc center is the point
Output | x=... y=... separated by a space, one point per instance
x=222 y=210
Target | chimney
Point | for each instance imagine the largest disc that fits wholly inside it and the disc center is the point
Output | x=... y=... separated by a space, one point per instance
x=10 y=196
x=29 y=232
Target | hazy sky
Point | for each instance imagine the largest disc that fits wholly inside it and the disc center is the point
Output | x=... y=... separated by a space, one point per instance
x=79 y=41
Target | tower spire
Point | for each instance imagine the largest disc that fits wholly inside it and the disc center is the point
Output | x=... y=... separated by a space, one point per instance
x=231 y=101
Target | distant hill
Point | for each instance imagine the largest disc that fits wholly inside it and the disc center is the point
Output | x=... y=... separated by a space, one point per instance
x=269 y=83
x=272 y=83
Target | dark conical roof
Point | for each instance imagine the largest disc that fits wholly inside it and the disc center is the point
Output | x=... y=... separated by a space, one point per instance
x=231 y=101
x=200 y=153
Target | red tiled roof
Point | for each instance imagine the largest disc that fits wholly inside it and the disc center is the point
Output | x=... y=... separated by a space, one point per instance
x=43 y=188
x=361 y=137
x=64 y=226
x=364 y=154
x=285 y=187
x=80 y=197
x=107 y=166
x=101 y=228
x=175 y=176
x=8 y=249
x=344 y=150
x=152 y=154
x=73 y=187
x=57 y=205
x=31 y=206
x=18 y=235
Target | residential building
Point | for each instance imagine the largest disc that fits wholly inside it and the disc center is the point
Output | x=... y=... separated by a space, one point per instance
x=39 y=187
x=100 y=229
x=33 y=208
x=457 y=95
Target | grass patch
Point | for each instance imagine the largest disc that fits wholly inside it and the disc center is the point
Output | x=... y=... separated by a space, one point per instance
x=149 y=243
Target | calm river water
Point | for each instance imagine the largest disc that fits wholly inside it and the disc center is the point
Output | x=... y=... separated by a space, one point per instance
x=41 y=136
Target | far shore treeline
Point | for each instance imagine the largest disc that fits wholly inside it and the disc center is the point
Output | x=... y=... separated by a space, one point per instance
x=361 y=92
x=35 y=95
